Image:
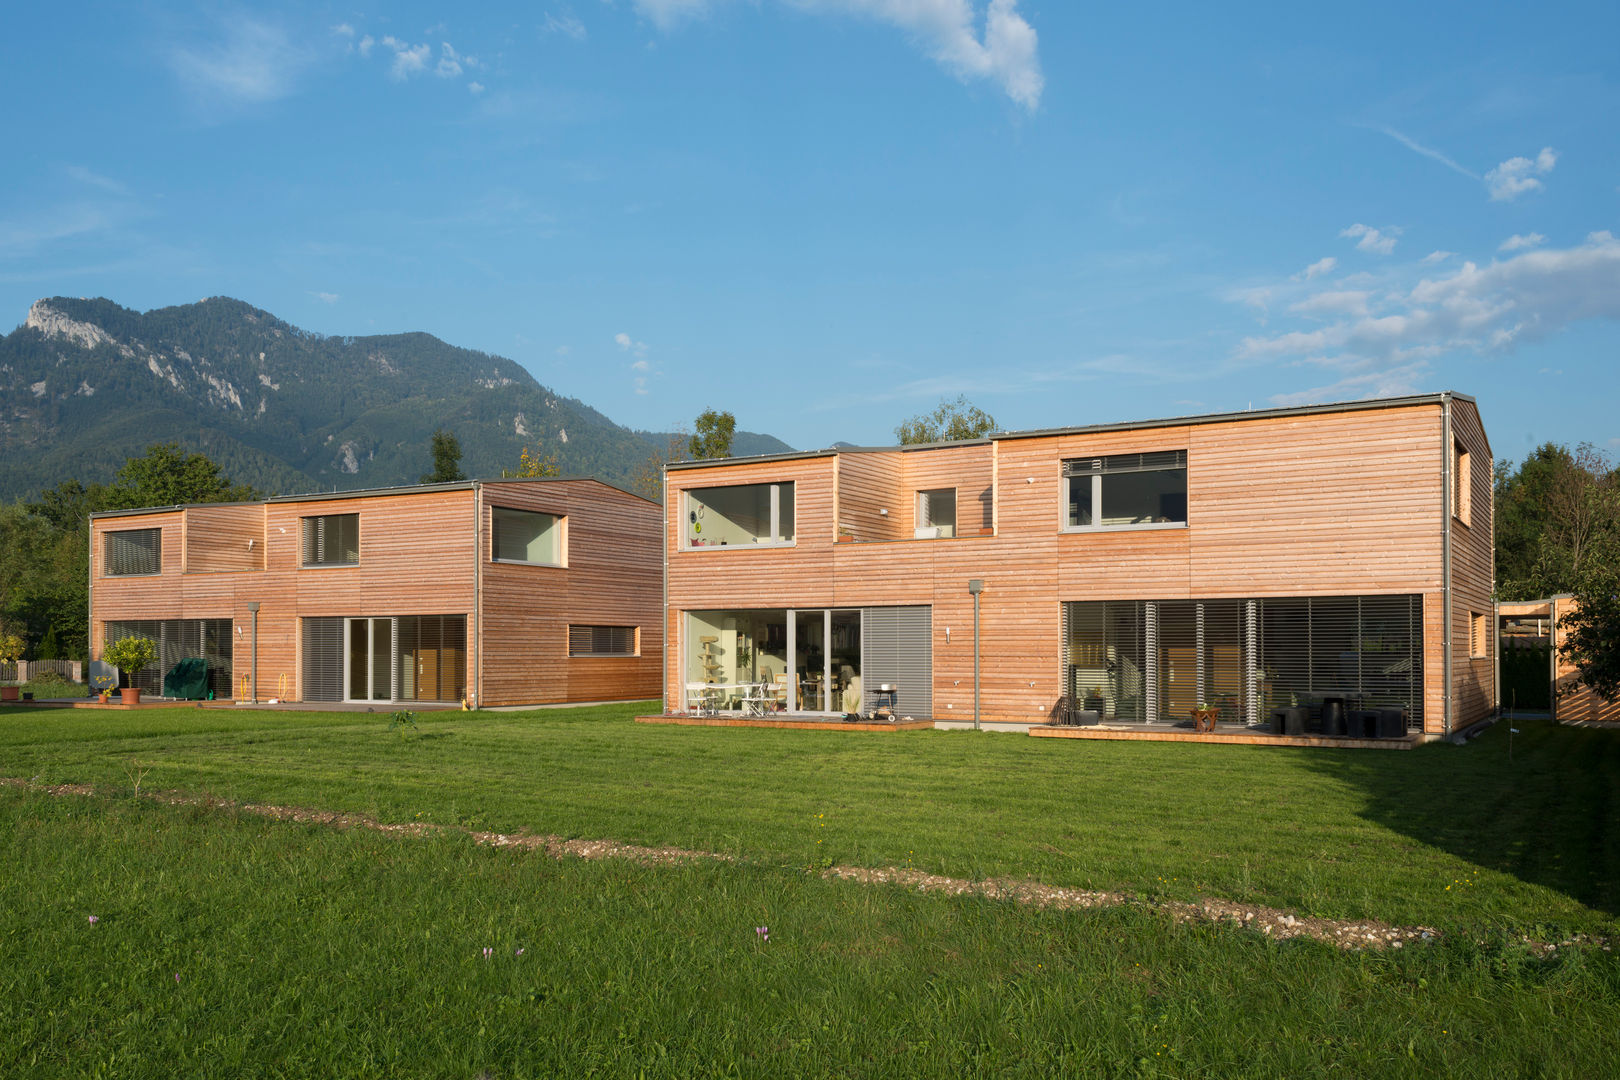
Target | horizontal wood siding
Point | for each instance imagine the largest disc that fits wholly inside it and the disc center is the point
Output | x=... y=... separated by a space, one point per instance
x=614 y=577
x=1315 y=505
x=968 y=469
x=1473 y=576
x=1576 y=703
x=871 y=505
x=223 y=538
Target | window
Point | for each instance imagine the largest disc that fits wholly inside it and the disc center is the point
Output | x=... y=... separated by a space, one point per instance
x=135 y=551
x=936 y=513
x=524 y=536
x=746 y=514
x=602 y=641
x=1126 y=490
x=1461 y=503
x=332 y=540
x=1479 y=635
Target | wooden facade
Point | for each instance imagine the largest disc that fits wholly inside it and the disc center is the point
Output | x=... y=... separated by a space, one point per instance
x=1572 y=701
x=422 y=552
x=1350 y=500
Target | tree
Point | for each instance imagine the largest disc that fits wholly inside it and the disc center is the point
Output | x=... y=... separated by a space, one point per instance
x=648 y=479
x=712 y=439
x=164 y=476
x=534 y=466
x=959 y=419
x=1593 y=629
x=446 y=459
x=1552 y=514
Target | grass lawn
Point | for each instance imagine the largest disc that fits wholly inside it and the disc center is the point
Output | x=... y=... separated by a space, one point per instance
x=303 y=950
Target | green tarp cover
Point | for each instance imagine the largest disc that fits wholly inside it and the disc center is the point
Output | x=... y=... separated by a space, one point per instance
x=187 y=680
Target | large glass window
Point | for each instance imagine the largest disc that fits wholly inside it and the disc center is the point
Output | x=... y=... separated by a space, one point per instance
x=752 y=514
x=936 y=513
x=526 y=537
x=601 y=640
x=331 y=540
x=133 y=551
x=1125 y=490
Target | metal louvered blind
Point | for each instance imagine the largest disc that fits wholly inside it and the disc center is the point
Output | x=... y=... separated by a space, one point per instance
x=331 y=540
x=323 y=659
x=897 y=649
x=601 y=640
x=134 y=551
x=177 y=640
x=1117 y=463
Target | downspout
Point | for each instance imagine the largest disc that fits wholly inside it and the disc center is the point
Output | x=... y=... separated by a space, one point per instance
x=253 y=668
x=1552 y=659
x=1446 y=456
x=478 y=594
x=90 y=597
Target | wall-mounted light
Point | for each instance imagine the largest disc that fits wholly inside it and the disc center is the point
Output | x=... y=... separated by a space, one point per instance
x=947 y=635
x=1029 y=479
x=883 y=511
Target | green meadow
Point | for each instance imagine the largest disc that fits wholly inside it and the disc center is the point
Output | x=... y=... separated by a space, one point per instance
x=228 y=944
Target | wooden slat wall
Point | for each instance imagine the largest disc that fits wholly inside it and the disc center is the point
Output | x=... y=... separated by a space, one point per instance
x=417 y=557
x=1326 y=504
x=968 y=469
x=869 y=483
x=614 y=577
x=1472 y=575
x=1576 y=703
x=217 y=538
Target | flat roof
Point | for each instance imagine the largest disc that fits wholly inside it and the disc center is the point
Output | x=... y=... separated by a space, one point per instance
x=368 y=493
x=1085 y=429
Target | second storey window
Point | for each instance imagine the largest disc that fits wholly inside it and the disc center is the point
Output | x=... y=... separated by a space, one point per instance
x=601 y=641
x=1125 y=490
x=331 y=540
x=525 y=536
x=747 y=514
x=936 y=513
x=133 y=551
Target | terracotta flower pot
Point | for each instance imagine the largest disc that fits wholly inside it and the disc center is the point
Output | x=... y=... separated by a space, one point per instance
x=130 y=695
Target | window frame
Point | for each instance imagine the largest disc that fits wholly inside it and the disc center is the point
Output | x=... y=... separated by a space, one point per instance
x=1462 y=492
x=634 y=645
x=106 y=552
x=559 y=522
x=925 y=501
x=693 y=543
x=307 y=542
x=1097 y=498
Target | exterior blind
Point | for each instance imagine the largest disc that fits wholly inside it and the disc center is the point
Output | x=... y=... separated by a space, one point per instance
x=136 y=551
x=1118 y=463
x=177 y=640
x=332 y=540
x=897 y=649
x=323 y=659
x=601 y=641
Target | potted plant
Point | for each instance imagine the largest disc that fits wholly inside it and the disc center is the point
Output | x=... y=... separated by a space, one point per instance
x=129 y=655
x=11 y=650
x=1204 y=716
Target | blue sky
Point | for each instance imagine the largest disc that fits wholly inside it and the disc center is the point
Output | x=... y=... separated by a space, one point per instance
x=825 y=215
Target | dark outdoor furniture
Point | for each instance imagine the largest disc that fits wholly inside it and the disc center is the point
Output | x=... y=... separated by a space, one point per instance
x=1361 y=723
x=1333 y=724
x=1290 y=720
x=1391 y=723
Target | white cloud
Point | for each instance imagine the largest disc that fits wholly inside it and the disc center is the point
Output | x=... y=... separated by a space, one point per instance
x=475 y=87
x=630 y=345
x=566 y=24
x=451 y=62
x=343 y=30
x=325 y=297
x=1380 y=241
x=1257 y=297
x=408 y=59
x=1514 y=176
x=365 y=45
x=641 y=385
x=1529 y=296
x=1428 y=152
x=248 y=61
x=85 y=176
x=1005 y=52
x=1346 y=302
x=1437 y=256
x=1317 y=269
x=641 y=365
x=1517 y=242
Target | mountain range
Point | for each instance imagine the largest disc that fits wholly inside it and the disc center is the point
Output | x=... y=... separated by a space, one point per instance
x=85 y=384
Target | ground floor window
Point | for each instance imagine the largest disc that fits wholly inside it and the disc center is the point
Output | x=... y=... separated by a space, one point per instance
x=1147 y=661
x=815 y=660
x=388 y=658
x=177 y=640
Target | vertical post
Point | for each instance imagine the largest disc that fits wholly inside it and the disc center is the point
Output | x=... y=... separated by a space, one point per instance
x=976 y=587
x=254 y=669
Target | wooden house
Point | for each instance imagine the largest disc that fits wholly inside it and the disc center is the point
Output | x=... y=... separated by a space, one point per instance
x=1538 y=625
x=1335 y=558
x=502 y=592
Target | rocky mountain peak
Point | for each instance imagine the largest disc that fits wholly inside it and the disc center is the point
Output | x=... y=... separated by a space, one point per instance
x=55 y=324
